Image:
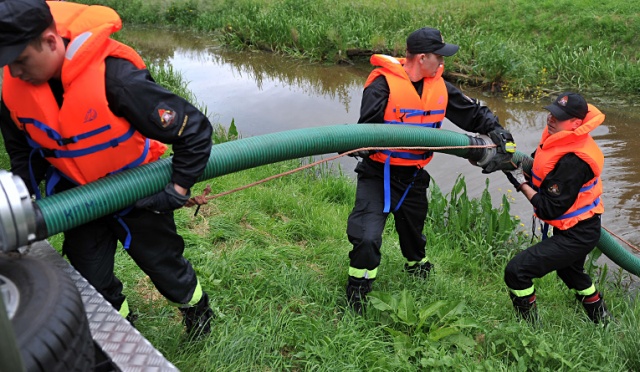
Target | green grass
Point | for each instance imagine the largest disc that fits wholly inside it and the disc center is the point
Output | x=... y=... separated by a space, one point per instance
x=274 y=260
x=514 y=47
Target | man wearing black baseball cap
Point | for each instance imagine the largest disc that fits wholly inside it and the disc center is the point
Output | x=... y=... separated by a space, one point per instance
x=21 y=22
x=75 y=127
x=429 y=40
x=408 y=91
x=568 y=106
x=565 y=191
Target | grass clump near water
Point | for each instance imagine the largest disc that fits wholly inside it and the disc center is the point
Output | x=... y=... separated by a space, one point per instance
x=516 y=47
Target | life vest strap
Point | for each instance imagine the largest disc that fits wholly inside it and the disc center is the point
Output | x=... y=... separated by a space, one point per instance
x=54 y=135
x=75 y=139
x=589 y=187
x=49 y=153
x=436 y=125
x=34 y=185
x=139 y=160
x=579 y=211
x=387 y=185
x=415 y=112
x=118 y=216
x=407 y=155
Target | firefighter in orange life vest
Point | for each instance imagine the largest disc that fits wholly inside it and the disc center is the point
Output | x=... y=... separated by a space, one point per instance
x=565 y=192
x=78 y=106
x=407 y=91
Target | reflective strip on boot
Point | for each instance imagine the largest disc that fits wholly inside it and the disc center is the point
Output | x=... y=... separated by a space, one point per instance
x=523 y=292
x=363 y=273
x=195 y=298
x=525 y=306
x=420 y=268
x=413 y=263
x=587 y=292
x=124 y=309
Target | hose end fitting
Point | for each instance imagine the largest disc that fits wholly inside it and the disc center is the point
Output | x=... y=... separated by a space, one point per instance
x=482 y=156
x=17 y=213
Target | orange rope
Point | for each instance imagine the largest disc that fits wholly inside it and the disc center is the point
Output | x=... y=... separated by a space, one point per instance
x=207 y=198
x=622 y=240
x=339 y=156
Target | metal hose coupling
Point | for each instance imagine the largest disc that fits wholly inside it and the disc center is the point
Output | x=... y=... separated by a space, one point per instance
x=481 y=156
x=17 y=213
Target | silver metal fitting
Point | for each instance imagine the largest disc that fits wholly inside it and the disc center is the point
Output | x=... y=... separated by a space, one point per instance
x=17 y=214
x=488 y=153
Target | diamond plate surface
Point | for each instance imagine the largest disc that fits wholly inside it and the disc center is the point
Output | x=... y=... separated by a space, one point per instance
x=121 y=342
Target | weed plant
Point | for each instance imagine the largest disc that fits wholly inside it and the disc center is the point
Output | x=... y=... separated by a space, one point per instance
x=516 y=47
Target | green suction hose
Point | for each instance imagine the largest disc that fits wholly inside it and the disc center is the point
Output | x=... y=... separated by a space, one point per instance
x=83 y=204
x=77 y=206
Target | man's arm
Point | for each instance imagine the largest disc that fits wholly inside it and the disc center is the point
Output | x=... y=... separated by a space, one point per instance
x=560 y=188
x=15 y=142
x=468 y=114
x=133 y=94
x=374 y=101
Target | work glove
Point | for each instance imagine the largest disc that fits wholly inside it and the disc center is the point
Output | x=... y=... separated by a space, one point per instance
x=165 y=201
x=516 y=177
x=504 y=151
x=361 y=154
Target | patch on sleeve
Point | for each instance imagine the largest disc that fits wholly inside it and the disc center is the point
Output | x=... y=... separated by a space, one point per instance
x=165 y=116
x=554 y=189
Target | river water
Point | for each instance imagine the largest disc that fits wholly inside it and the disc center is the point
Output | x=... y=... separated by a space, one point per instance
x=265 y=93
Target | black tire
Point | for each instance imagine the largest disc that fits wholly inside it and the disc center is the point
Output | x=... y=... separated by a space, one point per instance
x=49 y=321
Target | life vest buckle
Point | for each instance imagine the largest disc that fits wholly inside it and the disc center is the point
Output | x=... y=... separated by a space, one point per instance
x=47 y=153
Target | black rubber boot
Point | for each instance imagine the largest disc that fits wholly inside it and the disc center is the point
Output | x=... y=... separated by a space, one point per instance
x=420 y=269
x=132 y=318
x=596 y=308
x=197 y=318
x=357 y=289
x=526 y=308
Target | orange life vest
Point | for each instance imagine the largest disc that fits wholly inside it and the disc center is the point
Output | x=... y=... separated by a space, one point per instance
x=82 y=139
x=553 y=147
x=405 y=106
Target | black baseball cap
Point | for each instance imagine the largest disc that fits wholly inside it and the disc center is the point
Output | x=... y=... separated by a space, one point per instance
x=429 y=40
x=20 y=22
x=568 y=106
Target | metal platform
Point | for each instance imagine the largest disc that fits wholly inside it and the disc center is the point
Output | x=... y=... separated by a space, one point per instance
x=122 y=344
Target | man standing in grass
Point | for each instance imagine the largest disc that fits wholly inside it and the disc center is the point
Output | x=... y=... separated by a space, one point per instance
x=565 y=193
x=408 y=91
x=78 y=106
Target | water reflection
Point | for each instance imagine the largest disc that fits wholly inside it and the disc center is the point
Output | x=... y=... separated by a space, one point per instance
x=265 y=93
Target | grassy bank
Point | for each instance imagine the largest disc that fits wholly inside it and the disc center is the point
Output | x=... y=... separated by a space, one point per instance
x=274 y=259
x=508 y=46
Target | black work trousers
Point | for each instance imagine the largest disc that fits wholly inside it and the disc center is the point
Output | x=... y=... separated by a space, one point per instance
x=155 y=247
x=564 y=252
x=367 y=219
